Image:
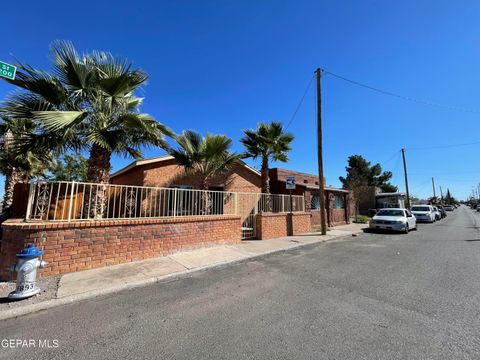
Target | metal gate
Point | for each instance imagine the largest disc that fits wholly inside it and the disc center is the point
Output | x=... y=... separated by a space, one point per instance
x=251 y=204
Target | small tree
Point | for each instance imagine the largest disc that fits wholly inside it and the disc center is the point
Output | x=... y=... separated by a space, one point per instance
x=361 y=175
x=388 y=188
x=267 y=142
x=19 y=167
x=70 y=167
x=449 y=199
x=204 y=156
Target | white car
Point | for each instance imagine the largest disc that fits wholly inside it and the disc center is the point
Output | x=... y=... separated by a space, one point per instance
x=438 y=214
x=424 y=213
x=393 y=219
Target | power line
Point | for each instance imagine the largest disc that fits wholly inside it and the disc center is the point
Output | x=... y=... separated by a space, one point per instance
x=444 y=146
x=447 y=173
x=301 y=102
x=397 y=153
x=406 y=98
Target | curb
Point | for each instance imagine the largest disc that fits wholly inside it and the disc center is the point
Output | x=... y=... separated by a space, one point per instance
x=28 y=309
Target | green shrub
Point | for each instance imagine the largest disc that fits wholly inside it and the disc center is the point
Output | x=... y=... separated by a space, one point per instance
x=362 y=219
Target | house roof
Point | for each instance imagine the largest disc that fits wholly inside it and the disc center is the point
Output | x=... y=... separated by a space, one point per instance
x=160 y=159
x=299 y=174
x=391 y=194
x=315 y=187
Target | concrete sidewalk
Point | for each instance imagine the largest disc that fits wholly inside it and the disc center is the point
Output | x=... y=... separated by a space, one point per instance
x=90 y=283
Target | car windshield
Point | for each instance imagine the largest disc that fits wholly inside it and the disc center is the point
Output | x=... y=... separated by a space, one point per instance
x=390 y=213
x=420 y=208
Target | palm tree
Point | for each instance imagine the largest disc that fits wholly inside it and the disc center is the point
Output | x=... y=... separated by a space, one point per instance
x=267 y=142
x=204 y=156
x=18 y=167
x=87 y=103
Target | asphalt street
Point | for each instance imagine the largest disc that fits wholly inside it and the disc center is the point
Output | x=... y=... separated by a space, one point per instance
x=376 y=296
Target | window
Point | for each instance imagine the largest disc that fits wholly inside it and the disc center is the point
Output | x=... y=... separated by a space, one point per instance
x=390 y=213
x=421 y=208
x=339 y=202
x=315 y=202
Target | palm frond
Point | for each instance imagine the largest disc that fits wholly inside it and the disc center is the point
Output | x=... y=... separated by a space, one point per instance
x=21 y=105
x=76 y=73
x=41 y=83
x=59 y=120
x=268 y=140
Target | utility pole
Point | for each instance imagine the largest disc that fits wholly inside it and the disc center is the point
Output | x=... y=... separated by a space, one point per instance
x=441 y=195
x=321 y=185
x=406 y=178
x=433 y=185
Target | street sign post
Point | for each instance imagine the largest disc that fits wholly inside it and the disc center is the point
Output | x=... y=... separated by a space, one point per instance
x=290 y=183
x=7 y=71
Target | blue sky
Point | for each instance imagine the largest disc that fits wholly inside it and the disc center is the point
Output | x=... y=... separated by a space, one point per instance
x=222 y=66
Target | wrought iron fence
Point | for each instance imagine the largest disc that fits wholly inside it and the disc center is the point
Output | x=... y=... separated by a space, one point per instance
x=68 y=201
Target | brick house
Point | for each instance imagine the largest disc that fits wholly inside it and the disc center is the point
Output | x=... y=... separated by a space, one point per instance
x=163 y=171
x=337 y=200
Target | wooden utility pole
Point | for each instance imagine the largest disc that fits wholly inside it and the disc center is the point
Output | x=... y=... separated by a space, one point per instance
x=321 y=185
x=433 y=185
x=406 y=178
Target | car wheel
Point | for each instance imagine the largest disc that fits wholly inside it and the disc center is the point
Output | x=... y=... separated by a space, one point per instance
x=406 y=229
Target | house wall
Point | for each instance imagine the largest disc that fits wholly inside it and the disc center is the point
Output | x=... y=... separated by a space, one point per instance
x=167 y=173
x=278 y=177
x=130 y=177
x=305 y=183
x=84 y=245
x=367 y=200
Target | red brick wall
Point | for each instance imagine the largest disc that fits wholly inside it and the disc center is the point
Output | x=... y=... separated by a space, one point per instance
x=337 y=217
x=166 y=173
x=301 y=223
x=83 y=245
x=131 y=177
x=270 y=226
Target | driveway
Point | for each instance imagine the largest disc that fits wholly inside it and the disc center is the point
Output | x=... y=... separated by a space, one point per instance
x=376 y=296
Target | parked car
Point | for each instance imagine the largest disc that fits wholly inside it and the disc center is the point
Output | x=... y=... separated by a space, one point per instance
x=424 y=213
x=395 y=219
x=449 y=207
x=438 y=214
x=441 y=208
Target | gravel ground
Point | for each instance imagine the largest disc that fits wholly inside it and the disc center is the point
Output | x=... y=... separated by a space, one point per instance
x=48 y=286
